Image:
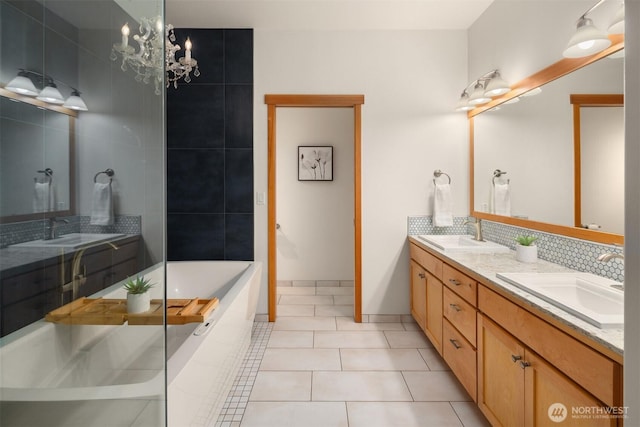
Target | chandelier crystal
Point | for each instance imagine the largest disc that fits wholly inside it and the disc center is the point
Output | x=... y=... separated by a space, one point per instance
x=147 y=60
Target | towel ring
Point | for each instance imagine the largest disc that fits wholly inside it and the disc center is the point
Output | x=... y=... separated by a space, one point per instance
x=48 y=173
x=437 y=173
x=108 y=172
x=497 y=174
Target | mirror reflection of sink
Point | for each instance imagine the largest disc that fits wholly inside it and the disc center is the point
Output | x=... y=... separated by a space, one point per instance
x=461 y=243
x=70 y=241
x=592 y=298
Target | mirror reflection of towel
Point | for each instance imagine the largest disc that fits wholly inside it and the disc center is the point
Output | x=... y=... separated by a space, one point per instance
x=102 y=207
x=442 y=206
x=502 y=199
x=43 y=200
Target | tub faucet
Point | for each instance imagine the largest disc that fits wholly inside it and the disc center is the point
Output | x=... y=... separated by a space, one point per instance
x=477 y=225
x=53 y=227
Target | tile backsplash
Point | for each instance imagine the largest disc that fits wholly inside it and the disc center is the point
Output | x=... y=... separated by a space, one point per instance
x=18 y=232
x=573 y=253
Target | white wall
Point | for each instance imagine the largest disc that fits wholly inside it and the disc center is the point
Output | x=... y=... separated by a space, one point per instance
x=411 y=81
x=316 y=238
x=602 y=154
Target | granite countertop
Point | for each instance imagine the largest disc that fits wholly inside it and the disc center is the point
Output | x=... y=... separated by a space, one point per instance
x=486 y=265
x=13 y=258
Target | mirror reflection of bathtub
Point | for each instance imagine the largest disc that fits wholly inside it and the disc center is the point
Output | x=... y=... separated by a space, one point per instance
x=104 y=364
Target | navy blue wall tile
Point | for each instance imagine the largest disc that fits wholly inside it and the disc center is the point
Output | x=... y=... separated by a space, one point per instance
x=195 y=237
x=238 y=181
x=239 y=237
x=195 y=116
x=238 y=56
x=195 y=181
x=210 y=151
x=238 y=116
x=208 y=50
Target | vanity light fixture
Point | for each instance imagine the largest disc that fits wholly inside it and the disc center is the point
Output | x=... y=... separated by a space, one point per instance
x=463 y=103
x=75 y=102
x=478 y=96
x=484 y=90
x=22 y=84
x=589 y=39
x=27 y=82
x=50 y=93
x=155 y=55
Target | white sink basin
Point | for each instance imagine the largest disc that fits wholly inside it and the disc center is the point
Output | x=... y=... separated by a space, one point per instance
x=461 y=243
x=70 y=241
x=587 y=296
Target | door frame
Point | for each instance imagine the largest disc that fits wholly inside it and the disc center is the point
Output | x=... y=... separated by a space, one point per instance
x=328 y=101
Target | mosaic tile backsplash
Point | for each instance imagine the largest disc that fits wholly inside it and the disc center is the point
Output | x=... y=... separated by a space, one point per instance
x=580 y=255
x=19 y=232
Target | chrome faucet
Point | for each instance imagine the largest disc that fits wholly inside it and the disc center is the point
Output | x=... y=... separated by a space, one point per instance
x=53 y=227
x=79 y=278
x=477 y=225
x=606 y=257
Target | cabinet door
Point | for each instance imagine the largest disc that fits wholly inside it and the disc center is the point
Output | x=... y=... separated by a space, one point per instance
x=419 y=295
x=500 y=375
x=434 y=311
x=550 y=397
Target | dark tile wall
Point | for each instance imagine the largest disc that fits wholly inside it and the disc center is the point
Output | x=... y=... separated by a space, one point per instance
x=210 y=150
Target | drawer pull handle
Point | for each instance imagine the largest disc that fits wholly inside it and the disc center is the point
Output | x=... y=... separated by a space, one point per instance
x=524 y=364
x=456 y=307
x=515 y=358
x=421 y=275
x=455 y=282
x=455 y=344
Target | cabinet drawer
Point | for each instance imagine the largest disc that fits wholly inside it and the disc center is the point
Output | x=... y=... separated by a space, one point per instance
x=460 y=355
x=598 y=374
x=432 y=264
x=461 y=314
x=460 y=283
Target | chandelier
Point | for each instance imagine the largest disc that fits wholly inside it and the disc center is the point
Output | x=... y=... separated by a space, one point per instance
x=147 y=60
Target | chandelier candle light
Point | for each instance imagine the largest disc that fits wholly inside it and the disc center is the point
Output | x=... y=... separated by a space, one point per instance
x=148 y=62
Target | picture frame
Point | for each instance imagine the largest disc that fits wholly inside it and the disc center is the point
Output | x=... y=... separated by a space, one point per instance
x=315 y=163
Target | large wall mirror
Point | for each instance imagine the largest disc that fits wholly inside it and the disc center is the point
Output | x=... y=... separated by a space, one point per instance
x=556 y=174
x=37 y=162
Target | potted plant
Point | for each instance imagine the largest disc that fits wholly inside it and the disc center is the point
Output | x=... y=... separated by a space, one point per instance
x=526 y=249
x=138 y=298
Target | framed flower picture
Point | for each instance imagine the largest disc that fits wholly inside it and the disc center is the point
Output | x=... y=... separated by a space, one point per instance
x=315 y=163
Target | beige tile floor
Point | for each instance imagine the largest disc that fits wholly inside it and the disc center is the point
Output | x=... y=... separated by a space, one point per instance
x=319 y=368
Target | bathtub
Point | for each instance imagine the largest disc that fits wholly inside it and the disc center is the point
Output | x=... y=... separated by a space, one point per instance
x=115 y=375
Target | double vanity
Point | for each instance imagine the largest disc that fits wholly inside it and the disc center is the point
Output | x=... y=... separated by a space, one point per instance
x=520 y=337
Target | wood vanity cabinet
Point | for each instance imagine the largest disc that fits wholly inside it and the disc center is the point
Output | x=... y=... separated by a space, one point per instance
x=426 y=294
x=516 y=387
x=512 y=362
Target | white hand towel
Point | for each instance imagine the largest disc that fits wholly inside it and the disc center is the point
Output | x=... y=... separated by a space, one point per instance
x=43 y=200
x=442 y=206
x=502 y=199
x=102 y=207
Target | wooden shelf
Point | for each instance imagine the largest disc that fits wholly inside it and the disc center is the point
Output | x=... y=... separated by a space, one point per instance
x=102 y=311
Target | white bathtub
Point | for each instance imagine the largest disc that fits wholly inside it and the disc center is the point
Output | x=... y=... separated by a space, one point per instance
x=53 y=374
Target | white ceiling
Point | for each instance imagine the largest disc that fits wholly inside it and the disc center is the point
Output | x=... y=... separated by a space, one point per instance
x=325 y=14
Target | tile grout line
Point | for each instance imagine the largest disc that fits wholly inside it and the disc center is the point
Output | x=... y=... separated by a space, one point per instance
x=238 y=397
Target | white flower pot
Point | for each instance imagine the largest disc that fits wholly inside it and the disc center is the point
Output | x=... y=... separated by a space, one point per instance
x=138 y=303
x=526 y=253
